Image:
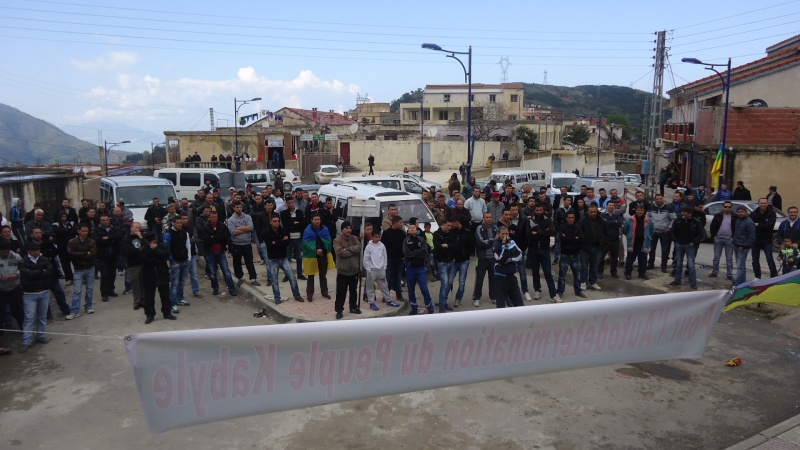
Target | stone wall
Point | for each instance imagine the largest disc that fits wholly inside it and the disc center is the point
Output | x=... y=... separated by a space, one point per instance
x=48 y=191
x=759 y=171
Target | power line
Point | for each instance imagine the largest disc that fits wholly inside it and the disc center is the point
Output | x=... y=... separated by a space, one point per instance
x=733 y=34
x=736 y=43
x=735 y=15
x=739 y=25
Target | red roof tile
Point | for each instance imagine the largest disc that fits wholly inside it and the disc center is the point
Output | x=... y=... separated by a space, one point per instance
x=322 y=117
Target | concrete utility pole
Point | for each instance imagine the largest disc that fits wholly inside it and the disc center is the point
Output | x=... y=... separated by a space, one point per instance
x=656 y=108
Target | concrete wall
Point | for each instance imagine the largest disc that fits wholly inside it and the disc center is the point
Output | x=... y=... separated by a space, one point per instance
x=394 y=155
x=759 y=171
x=586 y=163
x=49 y=192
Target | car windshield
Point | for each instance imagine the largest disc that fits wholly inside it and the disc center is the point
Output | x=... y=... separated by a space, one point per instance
x=558 y=183
x=498 y=178
x=408 y=209
x=142 y=196
x=329 y=170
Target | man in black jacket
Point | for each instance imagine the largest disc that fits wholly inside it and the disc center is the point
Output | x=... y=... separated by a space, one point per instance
x=415 y=252
x=107 y=238
x=49 y=251
x=276 y=239
x=764 y=217
x=506 y=255
x=293 y=220
x=594 y=238
x=180 y=262
x=464 y=249
x=687 y=232
x=537 y=230
x=444 y=250
x=155 y=276
x=570 y=235
x=36 y=273
x=132 y=247
x=155 y=212
x=485 y=235
x=392 y=239
x=216 y=237
x=640 y=201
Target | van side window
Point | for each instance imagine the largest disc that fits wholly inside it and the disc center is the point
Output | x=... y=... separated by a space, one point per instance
x=521 y=178
x=209 y=176
x=412 y=187
x=105 y=194
x=341 y=207
x=190 y=179
x=169 y=176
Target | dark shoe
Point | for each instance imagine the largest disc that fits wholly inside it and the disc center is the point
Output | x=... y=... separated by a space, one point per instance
x=581 y=295
x=651 y=266
x=675 y=283
x=24 y=348
x=663 y=269
x=278 y=301
x=355 y=311
x=240 y=282
x=299 y=299
x=285 y=279
x=302 y=277
x=627 y=277
x=170 y=317
x=113 y=294
x=712 y=275
x=183 y=303
x=671 y=273
x=600 y=275
x=136 y=307
x=69 y=283
x=614 y=274
x=126 y=292
x=326 y=296
x=269 y=283
x=256 y=283
x=400 y=298
x=644 y=277
x=149 y=320
x=339 y=315
x=233 y=294
x=413 y=311
x=43 y=341
x=310 y=299
x=694 y=286
x=105 y=299
x=430 y=310
x=216 y=292
x=198 y=295
x=442 y=310
x=448 y=307
x=729 y=278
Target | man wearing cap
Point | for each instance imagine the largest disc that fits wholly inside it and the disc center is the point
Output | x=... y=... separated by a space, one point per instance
x=36 y=274
x=688 y=234
x=744 y=237
x=496 y=208
x=348 y=252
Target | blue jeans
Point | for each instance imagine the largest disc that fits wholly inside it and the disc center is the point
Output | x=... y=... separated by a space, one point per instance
x=414 y=276
x=193 y=274
x=446 y=273
x=741 y=266
x=394 y=271
x=569 y=262
x=691 y=252
x=218 y=259
x=35 y=307
x=272 y=267
x=81 y=278
x=462 y=269
x=177 y=278
x=765 y=247
x=557 y=250
x=295 y=251
x=540 y=260
x=523 y=276
x=590 y=261
x=719 y=245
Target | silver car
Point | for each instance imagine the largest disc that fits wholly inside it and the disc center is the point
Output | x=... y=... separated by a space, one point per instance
x=421 y=181
x=715 y=207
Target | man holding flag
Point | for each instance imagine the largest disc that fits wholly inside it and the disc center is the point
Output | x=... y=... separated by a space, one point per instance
x=716 y=169
x=317 y=256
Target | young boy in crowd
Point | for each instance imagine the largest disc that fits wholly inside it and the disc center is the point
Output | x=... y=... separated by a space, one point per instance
x=789 y=256
x=375 y=262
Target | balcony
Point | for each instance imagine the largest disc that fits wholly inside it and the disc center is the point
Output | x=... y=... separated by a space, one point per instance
x=678 y=132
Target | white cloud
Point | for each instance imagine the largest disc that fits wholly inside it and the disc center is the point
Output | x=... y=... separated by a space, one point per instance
x=109 y=61
x=151 y=103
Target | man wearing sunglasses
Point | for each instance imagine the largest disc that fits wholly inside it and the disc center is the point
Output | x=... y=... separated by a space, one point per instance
x=722 y=227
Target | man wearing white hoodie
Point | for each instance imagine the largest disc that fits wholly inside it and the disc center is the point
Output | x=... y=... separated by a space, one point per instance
x=375 y=262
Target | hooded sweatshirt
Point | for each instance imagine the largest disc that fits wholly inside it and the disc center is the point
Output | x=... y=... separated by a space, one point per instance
x=9 y=266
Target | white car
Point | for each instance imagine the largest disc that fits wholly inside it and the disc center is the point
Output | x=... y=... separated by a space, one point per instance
x=633 y=182
x=716 y=207
x=325 y=173
x=421 y=181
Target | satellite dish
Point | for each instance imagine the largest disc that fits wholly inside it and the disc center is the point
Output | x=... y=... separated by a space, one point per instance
x=265 y=124
x=432 y=131
x=354 y=128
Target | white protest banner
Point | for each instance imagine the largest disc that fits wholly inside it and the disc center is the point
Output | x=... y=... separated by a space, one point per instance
x=198 y=376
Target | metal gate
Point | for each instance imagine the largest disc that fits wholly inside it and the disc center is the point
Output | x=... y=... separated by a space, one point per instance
x=699 y=171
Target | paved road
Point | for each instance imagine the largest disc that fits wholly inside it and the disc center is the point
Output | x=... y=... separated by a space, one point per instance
x=78 y=392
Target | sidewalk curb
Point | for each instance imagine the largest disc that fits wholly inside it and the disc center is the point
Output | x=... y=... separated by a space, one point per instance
x=768 y=434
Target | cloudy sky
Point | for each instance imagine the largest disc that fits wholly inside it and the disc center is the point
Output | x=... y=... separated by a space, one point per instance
x=134 y=69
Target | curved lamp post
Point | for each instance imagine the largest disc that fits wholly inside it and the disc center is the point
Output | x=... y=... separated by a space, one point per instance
x=236 y=105
x=107 y=146
x=468 y=80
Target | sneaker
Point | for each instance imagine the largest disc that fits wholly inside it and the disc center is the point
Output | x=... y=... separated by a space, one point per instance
x=556 y=299
x=413 y=311
x=583 y=286
x=675 y=283
x=595 y=286
x=457 y=303
x=627 y=277
x=126 y=292
x=43 y=340
x=581 y=295
x=175 y=310
x=476 y=303
x=374 y=307
x=72 y=316
x=537 y=295
x=302 y=277
x=355 y=311
x=90 y=311
x=183 y=303
x=527 y=296
x=299 y=299
x=255 y=283
x=392 y=304
x=493 y=301
x=712 y=275
x=24 y=348
x=339 y=315
x=240 y=282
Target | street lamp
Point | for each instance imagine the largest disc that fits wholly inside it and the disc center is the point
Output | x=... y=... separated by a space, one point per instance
x=107 y=146
x=236 y=105
x=468 y=80
x=421 y=140
x=726 y=84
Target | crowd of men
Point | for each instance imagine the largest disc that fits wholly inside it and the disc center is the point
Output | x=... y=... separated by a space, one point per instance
x=507 y=233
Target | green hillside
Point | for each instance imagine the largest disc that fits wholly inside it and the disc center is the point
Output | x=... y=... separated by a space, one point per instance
x=27 y=140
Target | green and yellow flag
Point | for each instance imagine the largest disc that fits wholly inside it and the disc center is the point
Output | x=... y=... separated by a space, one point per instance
x=716 y=169
x=781 y=290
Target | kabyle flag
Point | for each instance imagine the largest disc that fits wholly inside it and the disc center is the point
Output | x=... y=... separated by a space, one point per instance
x=781 y=290
x=199 y=376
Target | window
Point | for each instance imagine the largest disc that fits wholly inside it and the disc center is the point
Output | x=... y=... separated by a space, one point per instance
x=412 y=187
x=512 y=117
x=414 y=115
x=492 y=98
x=390 y=137
x=714 y=209
x=370 y=137
x=105 y=194
x=522 y=178
x=514 y=98
x=446 y=98
x=341 y=207
x=442 y=115
x=472 y=97
x=190 y=179
x=169 y=176
x=426 y=115
x=210 y=176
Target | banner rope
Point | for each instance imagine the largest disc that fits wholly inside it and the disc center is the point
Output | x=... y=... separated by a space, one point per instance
x=67 y=334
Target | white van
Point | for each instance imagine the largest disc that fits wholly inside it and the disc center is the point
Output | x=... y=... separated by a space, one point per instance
x=519 y=178
x=261 y=178
x=556 y=180
x=408 y=205
x=396 y=183
x=188 y=181
x=137 y=193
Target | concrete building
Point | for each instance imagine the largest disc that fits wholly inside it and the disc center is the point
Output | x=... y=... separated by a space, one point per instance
x=764 y=116
x=374 y=113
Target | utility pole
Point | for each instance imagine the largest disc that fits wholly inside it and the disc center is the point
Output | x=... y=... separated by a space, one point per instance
x=656 y=108
x=211 y=114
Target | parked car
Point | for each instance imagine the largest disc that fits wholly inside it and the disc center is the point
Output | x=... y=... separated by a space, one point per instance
x=633 y=182
x=421 y=181
x=715 y=207
x=310 y=188
x=260 y=178
x=325 y=173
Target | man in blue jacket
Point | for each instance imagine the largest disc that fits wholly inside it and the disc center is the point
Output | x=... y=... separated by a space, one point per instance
x=744 y=236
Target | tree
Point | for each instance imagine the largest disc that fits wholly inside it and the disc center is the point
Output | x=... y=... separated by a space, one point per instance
x=134 y=158
x=408 y=97
x=488 y=117
x=578 y=135
x=620 y=119
x=529 y=137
